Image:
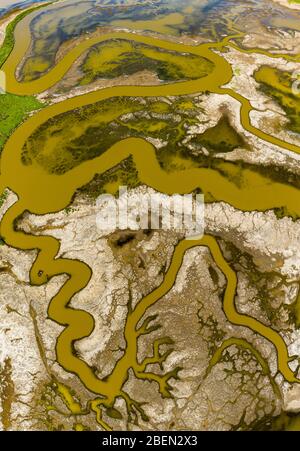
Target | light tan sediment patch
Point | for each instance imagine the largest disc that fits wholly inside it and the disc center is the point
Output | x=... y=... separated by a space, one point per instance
x=288 y=4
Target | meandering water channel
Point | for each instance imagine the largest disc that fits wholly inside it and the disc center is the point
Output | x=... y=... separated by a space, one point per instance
x=40 y=193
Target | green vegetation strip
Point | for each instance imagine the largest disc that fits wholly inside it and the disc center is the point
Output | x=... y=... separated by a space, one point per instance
x=13 y=109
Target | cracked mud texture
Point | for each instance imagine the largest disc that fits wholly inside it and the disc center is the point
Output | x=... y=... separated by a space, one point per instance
x=233 y=394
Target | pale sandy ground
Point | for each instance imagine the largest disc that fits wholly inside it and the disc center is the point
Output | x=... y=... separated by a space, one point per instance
x=288 y=4
x=6 y=3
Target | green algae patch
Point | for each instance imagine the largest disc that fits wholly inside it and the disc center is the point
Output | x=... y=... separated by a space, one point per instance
x=221 y=138
x=286 y=421
x=119 y=57
x=282 y=212
x=124 y=174
x=278 y=85
x=13 y=110
x=69 y=139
